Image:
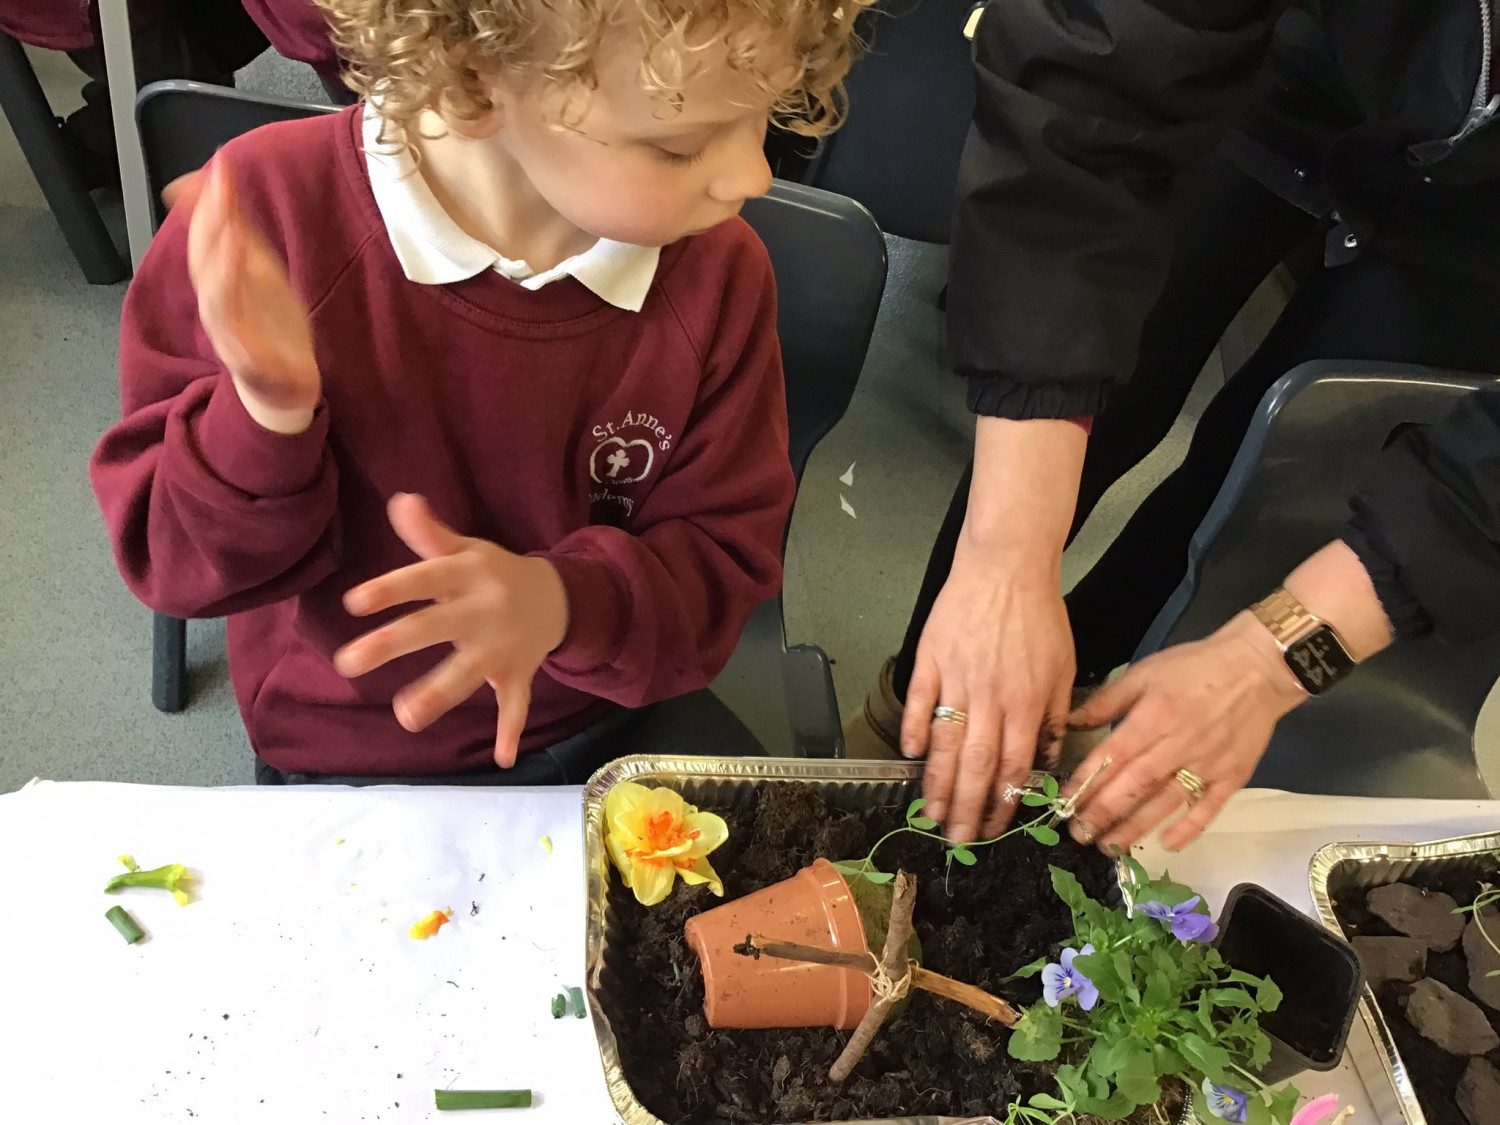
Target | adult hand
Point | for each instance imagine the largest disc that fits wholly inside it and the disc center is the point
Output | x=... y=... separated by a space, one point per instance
x=502 y=613
x=997 y=645
x=253 y=317
x=1208 y=707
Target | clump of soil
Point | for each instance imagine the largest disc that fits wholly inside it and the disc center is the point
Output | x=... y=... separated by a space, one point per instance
x=939 y=1058
x=1439 y=996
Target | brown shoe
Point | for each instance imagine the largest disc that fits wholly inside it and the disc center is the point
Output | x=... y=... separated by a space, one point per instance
x=875 y=732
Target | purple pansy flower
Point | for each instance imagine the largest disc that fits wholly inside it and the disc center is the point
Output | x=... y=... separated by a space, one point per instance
x=1226 y=1103
x=1186 y=925
x=1061 y=981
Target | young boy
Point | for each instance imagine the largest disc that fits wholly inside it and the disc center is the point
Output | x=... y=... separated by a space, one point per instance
x=494 y=343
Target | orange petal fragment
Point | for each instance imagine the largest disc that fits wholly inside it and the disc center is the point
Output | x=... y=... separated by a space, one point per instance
x=426 y=927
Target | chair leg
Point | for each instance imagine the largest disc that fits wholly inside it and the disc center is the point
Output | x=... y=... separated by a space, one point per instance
x=36 y=130
x=169 y=663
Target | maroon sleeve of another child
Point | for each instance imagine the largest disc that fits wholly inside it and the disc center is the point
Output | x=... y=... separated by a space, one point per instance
x=656 y=609
x=208 y=513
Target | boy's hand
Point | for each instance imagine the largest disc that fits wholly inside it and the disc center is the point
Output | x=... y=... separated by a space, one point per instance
x=254 y=319
x=502 y=613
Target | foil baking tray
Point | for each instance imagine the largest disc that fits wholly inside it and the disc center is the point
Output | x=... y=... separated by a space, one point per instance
x=1340 y=869
x=719 y=783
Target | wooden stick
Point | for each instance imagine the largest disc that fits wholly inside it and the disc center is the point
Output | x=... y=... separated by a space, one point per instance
x=894 y=967
x=967 y=994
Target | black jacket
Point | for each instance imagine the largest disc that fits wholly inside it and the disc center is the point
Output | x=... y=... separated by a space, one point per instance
x=1378 y=110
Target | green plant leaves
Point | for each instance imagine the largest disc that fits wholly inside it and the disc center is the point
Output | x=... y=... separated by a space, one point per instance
x=1050 y=786
x=879 y=877
x=1030 y=970
x=1137 y=1078
x=1035 y=800
x=915 y=807
x=924 y=823
x=1067 y=887
x=1284 y=1104
x=1210 y=1058
x=1043 y=834
x=1038 y=1035
x=961 y=854
x=1046 y=1101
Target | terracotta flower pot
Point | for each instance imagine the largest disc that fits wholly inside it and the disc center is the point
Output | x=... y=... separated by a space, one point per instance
x=813 y=907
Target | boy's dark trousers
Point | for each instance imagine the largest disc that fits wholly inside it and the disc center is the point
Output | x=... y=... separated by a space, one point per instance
x=696 y=723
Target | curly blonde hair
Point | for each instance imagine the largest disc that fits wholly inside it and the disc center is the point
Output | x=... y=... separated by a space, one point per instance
x=433 y=54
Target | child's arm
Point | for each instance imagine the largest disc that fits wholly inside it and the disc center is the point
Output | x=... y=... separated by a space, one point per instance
x=217 y=486
x=656 y=610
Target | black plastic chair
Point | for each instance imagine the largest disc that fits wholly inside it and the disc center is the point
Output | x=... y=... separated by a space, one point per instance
x=62 y=182
x=911 y=98
x=829 y=260
x=1404 y=725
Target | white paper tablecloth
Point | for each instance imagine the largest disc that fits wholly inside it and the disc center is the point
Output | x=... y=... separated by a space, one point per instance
x=334 y=1013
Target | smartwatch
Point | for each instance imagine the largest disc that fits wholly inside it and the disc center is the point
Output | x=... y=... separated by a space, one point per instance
x=1311 y=647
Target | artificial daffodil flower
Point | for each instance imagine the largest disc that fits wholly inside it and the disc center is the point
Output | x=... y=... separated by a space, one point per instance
x=173 y=877
x=654 y=836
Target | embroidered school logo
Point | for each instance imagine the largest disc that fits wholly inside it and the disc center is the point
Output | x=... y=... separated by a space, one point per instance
x=622 y=458
x=617 y=461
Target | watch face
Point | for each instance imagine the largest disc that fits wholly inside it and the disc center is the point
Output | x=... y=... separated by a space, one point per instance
x=1319 y=660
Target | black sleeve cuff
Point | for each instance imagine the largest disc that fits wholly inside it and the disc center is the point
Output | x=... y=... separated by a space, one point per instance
x=998 y=396
x=1402 y=610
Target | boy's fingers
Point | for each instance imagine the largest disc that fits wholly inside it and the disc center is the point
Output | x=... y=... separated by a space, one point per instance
x=419 y=529
x=184 y=191
x=514 y=700
x=423 y=702
x=430 y=581
x=412 y=633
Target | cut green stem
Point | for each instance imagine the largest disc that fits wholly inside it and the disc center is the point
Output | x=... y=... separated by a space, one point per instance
x=579 y=1008
x=482 y=1099
x=559 y=1006
x=122 y=921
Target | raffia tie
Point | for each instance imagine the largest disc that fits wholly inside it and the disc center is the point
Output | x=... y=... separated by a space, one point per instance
x=890 y=991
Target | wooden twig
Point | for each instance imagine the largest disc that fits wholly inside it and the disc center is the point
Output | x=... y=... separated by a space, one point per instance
x=890 y=980
x=967 y=994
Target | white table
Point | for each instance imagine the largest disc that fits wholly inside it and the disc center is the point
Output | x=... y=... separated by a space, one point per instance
x=334 y=1012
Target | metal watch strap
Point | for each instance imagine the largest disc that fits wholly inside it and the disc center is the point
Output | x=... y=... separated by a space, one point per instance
x=1286 y=617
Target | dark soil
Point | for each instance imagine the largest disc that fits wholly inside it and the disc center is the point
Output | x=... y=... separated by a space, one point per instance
x=1434 y=1073
x=938 y=1058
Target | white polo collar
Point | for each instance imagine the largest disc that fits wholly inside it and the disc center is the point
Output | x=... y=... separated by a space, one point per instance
x=434 y=250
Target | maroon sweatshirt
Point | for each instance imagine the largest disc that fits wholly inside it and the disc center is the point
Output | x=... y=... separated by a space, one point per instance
x=297 y=29
x=68 y=25
x=643 y=454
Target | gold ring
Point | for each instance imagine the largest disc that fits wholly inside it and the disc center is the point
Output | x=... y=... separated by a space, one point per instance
x=950 y=715
x=1193 y=784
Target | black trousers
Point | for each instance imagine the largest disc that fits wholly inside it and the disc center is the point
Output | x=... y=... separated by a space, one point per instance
x=205 y=40
x=693 y=724
x=1231 y=233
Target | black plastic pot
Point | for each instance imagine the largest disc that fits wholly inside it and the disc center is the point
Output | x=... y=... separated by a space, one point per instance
x=1318 y=974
